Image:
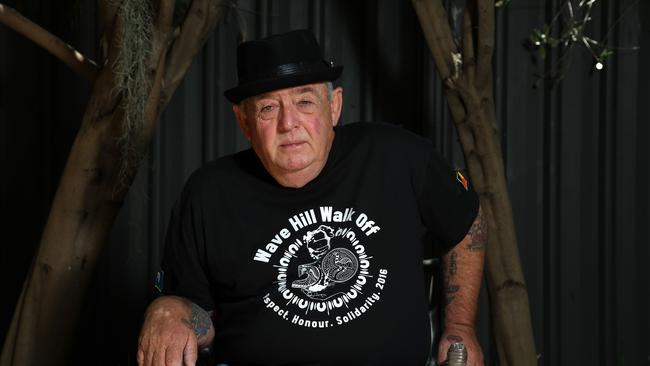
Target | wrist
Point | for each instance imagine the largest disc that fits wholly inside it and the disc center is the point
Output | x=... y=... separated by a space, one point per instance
x=459 y=328
x=459 y=325
x=169 y=307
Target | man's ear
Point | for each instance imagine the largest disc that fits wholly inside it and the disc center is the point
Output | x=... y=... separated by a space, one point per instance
x=241 y=121
x=336 y=105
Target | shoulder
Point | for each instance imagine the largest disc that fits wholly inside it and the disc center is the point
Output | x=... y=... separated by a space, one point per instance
x=217 y=173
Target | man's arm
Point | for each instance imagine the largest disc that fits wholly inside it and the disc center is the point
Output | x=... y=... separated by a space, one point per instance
x=462 y=270
x=174 y=329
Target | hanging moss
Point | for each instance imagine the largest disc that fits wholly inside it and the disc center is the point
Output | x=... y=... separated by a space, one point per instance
x=132 y=81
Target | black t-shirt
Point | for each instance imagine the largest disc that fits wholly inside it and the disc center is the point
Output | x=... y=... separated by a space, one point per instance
x=326 y=274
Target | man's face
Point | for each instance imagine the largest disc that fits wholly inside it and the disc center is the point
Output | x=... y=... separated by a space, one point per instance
x=291 y=130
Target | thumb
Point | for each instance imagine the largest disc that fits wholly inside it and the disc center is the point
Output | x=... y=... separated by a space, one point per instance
x=190 y=352
x=442 y=352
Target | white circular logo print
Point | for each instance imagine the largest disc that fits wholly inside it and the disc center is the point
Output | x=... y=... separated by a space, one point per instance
x=325 y=276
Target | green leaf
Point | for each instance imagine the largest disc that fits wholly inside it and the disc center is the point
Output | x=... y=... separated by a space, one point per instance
x=604 y=55
x=538 y=37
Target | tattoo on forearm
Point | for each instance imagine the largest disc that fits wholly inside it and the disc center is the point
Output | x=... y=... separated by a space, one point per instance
x=450 y=293
x=452 y=263
x=478 y=233
x=449 y=287
x=200 y=321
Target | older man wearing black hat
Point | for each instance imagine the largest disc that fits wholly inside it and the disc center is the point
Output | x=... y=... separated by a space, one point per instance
x=307 y=249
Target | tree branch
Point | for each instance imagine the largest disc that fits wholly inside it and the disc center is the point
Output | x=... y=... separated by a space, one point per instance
x=435 y=27
x=154 y=102
x=467 y=139
x=63 y=51
x=162 y=35
x=107 y=13
x=469 y=59
x=200 y=21
x=165 y=16
x=485 y=46
x=471 y=103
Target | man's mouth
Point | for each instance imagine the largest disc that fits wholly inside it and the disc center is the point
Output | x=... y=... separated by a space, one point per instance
x=292 y=145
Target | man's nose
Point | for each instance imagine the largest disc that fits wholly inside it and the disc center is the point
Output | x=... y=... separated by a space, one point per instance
x=289 y=118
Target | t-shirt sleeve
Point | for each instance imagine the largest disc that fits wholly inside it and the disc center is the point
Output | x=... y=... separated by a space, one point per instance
x=448 y=204
x=184 y=261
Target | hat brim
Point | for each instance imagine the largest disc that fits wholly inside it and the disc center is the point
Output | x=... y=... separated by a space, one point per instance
x=237 y=94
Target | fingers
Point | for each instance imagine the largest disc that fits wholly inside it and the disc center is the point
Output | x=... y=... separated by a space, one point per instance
x=157 y=350
x=167 y=337
x=145 y=354
x=158 y=358
x=174 y=356
x=190 y=353
x=443 y=346
x=465 y=336
x=140 y=357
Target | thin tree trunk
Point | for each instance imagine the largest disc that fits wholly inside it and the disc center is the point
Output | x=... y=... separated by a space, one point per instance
x=94 y=184
x=63 y=51
x=467 y=77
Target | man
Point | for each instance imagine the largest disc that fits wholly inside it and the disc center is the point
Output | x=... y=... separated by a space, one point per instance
x=307 y=248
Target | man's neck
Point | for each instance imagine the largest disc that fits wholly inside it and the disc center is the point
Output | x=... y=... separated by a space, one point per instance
x=296 y=179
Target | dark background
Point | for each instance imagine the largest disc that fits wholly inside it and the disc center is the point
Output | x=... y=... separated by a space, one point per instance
x=576 y=156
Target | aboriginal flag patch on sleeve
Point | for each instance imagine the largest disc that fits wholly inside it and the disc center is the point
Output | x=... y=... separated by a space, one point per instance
x=460 y=177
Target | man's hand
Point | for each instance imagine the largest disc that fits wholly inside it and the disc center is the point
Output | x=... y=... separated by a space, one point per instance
x=462 y=273
x=173 y=330
x=462 y=334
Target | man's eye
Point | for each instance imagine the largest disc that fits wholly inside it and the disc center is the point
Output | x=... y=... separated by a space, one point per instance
x=266 y=109
x=305 y=102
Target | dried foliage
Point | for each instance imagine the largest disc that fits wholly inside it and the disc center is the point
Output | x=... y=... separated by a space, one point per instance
x=132 y=81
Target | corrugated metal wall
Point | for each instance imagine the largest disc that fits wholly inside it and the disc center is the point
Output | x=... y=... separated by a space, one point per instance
x=577 y=159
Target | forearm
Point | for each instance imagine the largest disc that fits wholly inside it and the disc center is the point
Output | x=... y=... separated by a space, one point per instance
x=191 y=315
x=463 y=271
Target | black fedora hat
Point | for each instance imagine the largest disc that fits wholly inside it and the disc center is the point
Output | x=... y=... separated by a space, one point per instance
x=278 y=62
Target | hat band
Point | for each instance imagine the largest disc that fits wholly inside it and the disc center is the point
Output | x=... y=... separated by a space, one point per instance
x=291 y=69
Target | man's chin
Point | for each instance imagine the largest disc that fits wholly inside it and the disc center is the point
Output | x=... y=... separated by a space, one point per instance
x=293 y=163
x=294 y=167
